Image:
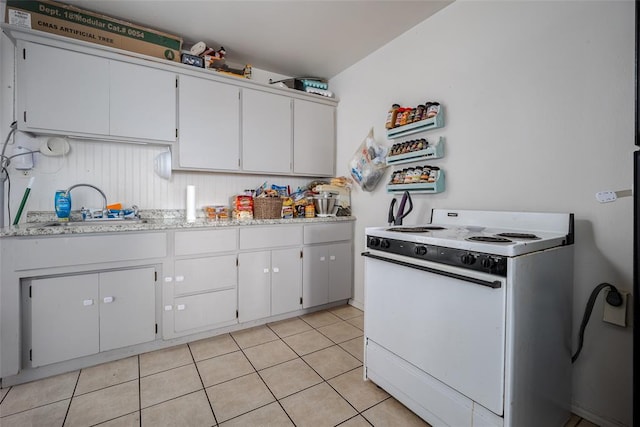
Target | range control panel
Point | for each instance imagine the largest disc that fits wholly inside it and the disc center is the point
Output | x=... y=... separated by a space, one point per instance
x=478 y=261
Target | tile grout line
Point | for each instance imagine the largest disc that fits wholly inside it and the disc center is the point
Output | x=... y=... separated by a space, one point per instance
x=276 y=400
x=75 y=387
x=204 y=389
x=326 y=381
x=139 y=392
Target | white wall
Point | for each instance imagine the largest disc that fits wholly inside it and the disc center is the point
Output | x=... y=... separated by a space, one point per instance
x=539 y=117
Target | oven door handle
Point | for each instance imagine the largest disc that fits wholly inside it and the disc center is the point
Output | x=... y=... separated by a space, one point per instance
x=496 y=284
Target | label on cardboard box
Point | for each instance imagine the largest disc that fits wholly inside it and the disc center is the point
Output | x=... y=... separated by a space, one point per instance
x=64 y=20
x=19 y=18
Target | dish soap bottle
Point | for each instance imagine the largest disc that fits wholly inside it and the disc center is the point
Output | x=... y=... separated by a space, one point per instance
x=62 y=202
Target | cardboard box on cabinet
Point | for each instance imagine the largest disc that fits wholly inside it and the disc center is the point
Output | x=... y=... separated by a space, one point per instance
x=64 y=20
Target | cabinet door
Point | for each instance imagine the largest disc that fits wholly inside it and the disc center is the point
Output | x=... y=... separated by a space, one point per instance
x=64 y=318
x=314 y=138
x=254 y=285
x=286 y=280
x=127 y=307
x=340 y=276
x=205 y=274
x=62 y=91
x=266 y=132
x=315 y=276
x=142 y=102
x=205 y=310
x=209 y=124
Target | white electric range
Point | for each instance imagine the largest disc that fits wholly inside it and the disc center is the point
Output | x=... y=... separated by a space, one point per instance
x=468 y=318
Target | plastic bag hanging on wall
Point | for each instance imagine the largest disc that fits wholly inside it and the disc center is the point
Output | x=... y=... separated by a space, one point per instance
x=368 y=163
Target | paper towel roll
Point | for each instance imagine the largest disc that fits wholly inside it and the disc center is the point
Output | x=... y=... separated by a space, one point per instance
x=191 y=202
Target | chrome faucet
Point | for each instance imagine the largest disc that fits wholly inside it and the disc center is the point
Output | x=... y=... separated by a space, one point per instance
x=104 y=197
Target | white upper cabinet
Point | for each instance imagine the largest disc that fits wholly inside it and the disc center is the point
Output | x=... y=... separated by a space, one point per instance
x=61 y=90
x=213 y=122
x=142 y=102
x=64 y=92
x=209 y=125
x=314 y=138
x=266 y=132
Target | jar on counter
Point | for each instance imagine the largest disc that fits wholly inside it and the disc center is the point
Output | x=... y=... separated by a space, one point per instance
x=391 y=116
x=310 y=210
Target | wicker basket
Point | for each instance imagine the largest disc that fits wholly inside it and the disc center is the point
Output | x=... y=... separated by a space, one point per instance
x=267 y=208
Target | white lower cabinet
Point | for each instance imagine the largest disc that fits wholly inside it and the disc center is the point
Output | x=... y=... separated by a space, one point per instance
x=204 y=292
x=77 y=315
x=269 y=283
x=203 y=289
x=327 y=273
x=205 y=310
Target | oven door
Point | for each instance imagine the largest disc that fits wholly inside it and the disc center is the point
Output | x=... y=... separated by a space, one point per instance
x=447 y=321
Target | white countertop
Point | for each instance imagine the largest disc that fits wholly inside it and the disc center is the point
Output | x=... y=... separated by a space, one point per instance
x=39 y=224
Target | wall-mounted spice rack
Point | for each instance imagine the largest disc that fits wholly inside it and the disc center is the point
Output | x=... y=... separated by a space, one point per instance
x=416 y=127
x=420 y=187
x=434 y=151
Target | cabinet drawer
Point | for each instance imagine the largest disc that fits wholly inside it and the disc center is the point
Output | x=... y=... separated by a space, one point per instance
x=322 y=233
x=205 y=274
x=199 y=311
x=77 y=250
x=270 y=237
x=202 y=242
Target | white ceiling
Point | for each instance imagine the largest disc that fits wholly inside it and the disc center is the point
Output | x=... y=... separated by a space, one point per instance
x=295 y=38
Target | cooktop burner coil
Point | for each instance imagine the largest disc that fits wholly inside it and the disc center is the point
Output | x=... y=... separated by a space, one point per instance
x=489 y=239
x=524 y=236
x=421 y=229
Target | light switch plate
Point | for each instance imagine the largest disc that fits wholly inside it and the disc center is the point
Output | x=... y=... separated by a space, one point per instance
x=616 y=315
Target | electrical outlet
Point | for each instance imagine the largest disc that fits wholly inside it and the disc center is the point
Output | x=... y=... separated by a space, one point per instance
x=616 y=315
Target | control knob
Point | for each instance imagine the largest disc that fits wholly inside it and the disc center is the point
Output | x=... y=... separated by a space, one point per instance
x=374 y=241
x=468 y=259
x=420 y=250
x=488 y=262
x=384 y=244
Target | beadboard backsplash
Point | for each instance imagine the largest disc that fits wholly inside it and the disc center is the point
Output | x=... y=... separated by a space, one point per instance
x=125 y=172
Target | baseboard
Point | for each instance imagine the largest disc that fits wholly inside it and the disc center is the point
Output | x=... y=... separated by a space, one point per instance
x=356 y=304
x=595 y=419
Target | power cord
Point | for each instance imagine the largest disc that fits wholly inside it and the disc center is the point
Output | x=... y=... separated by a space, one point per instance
x=614 y=298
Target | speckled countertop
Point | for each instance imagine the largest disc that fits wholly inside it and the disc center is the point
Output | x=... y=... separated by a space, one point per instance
x=46 y=223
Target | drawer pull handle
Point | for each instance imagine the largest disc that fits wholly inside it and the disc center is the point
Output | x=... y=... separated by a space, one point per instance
x=276 y=270
x=266 y=270
x=87 y=302
x=179 y=278
x=107 y=300
x=332 y=257
x=168 y=307
x=181 y=307
x=322 y=258
x=168 y=279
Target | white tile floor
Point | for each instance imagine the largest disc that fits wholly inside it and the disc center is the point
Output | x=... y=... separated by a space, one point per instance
x=304 y=371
